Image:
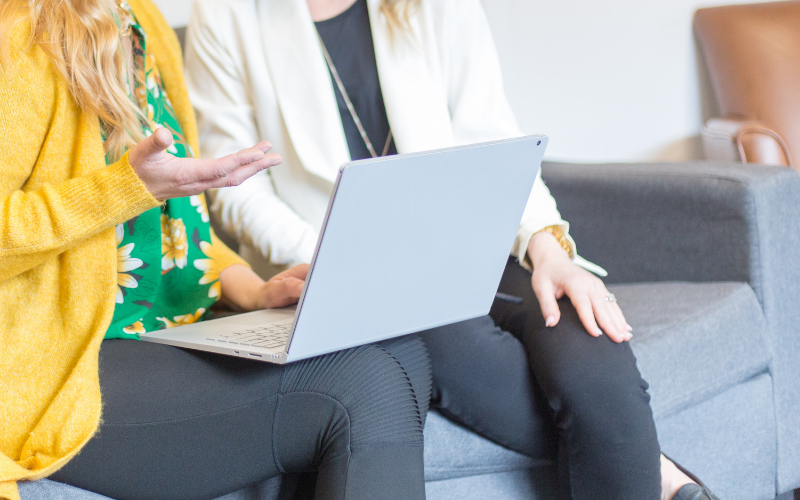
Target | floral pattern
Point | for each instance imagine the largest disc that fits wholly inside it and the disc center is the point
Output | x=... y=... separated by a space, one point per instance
x=211 y=269
x=174 y=245
x=135 y=328
x=167 y=266
x=125 y=264
x=184 y=319
x=199 y=201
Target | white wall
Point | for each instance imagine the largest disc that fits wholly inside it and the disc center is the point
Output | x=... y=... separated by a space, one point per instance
x=606 y=80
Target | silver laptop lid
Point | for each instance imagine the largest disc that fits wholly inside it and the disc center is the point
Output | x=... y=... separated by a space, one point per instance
x=415 y=241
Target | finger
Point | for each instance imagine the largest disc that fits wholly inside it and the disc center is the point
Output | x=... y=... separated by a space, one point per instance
x=609 y=310
x=619 y=319
x=300 y=272
x=625 y=323
x=583 y=305
x=544 y=291
x=222 y=178
x=264 y=146
x=287 y=292
x=604 y=319
x=160 y=140
x=220 y=168
x=238 y=176
x=292 y=288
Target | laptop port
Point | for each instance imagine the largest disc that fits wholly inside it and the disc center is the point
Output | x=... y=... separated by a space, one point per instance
x=256 y=355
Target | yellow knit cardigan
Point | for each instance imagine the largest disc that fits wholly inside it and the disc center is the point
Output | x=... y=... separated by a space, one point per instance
x=59 y=203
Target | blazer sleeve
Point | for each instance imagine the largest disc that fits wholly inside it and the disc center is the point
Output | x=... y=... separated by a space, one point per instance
x=480 y=111
x=38 y=224
x=215 y=76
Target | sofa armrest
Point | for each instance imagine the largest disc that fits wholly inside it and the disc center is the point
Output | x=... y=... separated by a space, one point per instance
x=743 y=141
x=694 y=221
x=701 y=222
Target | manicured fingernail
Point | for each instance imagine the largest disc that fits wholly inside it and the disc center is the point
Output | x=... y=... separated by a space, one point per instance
x=598 y=332
x=275 y=162
x=550 y=321
x=630 y=328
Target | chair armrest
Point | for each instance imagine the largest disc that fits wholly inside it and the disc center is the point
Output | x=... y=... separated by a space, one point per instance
x=743 y=141
x=694 y=221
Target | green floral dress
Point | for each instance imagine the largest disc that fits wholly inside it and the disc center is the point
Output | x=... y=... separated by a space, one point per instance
x=167 y=267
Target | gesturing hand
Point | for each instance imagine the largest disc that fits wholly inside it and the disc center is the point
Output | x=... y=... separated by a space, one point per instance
x=166 y=176
x=555 y=275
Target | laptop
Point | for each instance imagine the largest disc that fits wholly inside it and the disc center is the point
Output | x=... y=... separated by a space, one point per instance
x=409 y=242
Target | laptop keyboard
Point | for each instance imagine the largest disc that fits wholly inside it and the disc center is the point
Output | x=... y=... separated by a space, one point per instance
x=268 y=337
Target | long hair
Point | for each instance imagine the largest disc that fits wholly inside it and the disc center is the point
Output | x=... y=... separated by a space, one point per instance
x=397 y=14
x=83 y=40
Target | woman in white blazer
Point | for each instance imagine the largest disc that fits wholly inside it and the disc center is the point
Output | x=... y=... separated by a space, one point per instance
x=427 y=71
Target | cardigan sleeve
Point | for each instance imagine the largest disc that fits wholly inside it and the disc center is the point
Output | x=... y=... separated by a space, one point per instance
x=36 y=224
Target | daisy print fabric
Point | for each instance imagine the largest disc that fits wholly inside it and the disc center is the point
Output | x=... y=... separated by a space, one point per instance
x=167 y=266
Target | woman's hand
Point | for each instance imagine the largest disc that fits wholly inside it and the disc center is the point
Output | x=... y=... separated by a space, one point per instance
x=284 y=288
x=246 y=291
x=555 y=275
x=166 y=176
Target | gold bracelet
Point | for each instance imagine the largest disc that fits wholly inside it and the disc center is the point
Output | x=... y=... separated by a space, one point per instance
x=561 y=237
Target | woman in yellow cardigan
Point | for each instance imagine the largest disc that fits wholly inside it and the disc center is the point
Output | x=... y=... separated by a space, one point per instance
x=104 y=234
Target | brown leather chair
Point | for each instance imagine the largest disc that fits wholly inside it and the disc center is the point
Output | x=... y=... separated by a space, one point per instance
x=753 y=58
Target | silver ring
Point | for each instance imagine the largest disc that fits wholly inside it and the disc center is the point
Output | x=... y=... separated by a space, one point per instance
x=610 y=298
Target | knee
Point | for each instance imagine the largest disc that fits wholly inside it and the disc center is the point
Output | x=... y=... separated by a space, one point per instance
x=370 y=386
x=600 y=393
x=591 y=379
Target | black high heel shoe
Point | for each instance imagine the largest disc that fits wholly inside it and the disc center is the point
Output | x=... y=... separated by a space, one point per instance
x=697 y=491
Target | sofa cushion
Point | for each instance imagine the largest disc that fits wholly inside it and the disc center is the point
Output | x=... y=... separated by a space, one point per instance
x=452 y=451
x=693 y=341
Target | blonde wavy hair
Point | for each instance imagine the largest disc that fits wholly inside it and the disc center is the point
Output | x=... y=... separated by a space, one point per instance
x=83 y=41
x=397 y=14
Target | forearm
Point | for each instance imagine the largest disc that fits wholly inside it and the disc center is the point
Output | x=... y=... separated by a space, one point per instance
x=36 y=225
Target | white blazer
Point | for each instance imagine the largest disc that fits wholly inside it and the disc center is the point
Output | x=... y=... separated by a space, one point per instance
x=255 y=71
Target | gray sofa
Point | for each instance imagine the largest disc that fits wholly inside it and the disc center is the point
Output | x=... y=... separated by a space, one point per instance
x=705 y=261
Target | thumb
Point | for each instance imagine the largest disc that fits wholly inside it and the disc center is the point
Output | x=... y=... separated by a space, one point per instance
x=545 y=293
x=156 y=143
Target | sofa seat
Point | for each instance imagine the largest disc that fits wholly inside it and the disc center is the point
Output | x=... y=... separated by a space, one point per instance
x=699 y=345
x=693 y=340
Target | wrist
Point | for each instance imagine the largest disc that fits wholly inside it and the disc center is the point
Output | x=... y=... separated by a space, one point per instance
x=261 y=297
x=242 y=288
x=543 y=246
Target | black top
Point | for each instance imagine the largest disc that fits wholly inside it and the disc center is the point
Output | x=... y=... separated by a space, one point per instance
x=348 y=38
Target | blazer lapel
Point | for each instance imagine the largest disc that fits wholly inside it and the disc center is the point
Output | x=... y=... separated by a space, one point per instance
x=303 y=86
x=414 y=89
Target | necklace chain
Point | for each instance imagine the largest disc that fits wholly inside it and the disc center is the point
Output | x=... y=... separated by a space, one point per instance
x=350 y=106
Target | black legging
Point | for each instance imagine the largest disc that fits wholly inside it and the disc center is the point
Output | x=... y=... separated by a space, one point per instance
x=585 y=404
x=182 y=424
